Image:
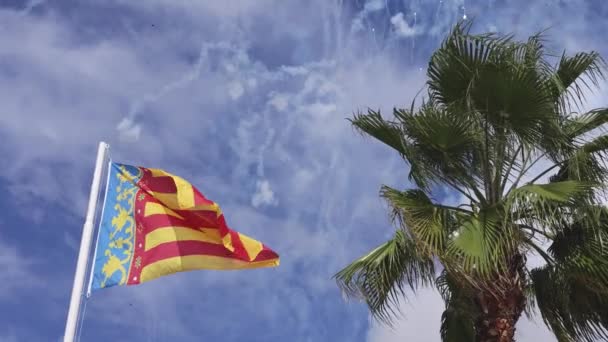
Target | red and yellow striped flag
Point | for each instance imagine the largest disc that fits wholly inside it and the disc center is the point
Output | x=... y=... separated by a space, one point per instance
x=155 y=224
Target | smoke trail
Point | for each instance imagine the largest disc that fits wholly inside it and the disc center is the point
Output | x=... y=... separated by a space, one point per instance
x=30 y=5
x=128 y=126
x=189 y=77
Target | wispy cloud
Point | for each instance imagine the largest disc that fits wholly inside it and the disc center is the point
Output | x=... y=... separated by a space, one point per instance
x=250 y=105
x=263 y=195
x=401 y=27
x=8 y=337
x=16 y=272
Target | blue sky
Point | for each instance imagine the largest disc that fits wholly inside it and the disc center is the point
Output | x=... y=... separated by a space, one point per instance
x=247 y=100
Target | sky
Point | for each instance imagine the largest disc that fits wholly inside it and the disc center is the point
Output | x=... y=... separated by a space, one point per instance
x=248 y=100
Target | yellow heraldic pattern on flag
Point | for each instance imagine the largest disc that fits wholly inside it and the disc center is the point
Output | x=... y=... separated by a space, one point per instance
x=115 y=246
x=155 y=223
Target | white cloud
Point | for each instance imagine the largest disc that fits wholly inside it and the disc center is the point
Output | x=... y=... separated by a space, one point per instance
x=31 y=5
x=68 y=94
x=322 y=110
x=70 y=241
x=357 y=25
x=263 y=194
x=252 y=83
x=295 y=70
x=8 y=337
x=401 y=27
x=361 y=20
x=303 y=179
x=231 y=9
x=422 y=319
x=16 y=273
x=373 y=5
x=187 y=78
x=129 y=130
x=279 y=101
x=236 y=90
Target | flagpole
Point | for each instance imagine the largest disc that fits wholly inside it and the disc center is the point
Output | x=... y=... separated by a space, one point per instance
x=85 y=248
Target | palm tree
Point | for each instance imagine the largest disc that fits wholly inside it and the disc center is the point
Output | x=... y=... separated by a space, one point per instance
x=499 y=120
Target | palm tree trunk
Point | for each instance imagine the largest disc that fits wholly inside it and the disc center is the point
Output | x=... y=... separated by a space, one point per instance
x=501 y=306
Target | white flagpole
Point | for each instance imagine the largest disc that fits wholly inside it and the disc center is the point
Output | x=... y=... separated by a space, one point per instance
x=85 y=248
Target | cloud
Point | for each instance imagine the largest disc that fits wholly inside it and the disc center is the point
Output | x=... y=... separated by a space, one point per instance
x=236 y=90
x=244 y=102
x=359 y=22
x=373 y=5
x=233 y=9
x=70 y=241
x=16 y=272
x=188 y=77
x=263 y=194
x=129 y=130
x=422 y=318
x=401 y=27
x=31 y=5
x=278 y=101
x=192 y=127
x=8 y=337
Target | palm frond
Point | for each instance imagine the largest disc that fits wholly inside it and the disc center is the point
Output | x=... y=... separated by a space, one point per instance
x=585 y=123
x=451 y=135
x=453 y=66
x=374 y=125
x=599 y=144
x=504 y=84
x=458 y=318
x=391 y=134
x=382 y=276
x=495 y=108
x=559 y=191
x=515 y=99
x=575 y=72
x=428 y=223
x=571 y=306
x=480 y=245
x=572 y=293
x=444 y=148
x=546 y=206
x=456 y=326
x=585 y=165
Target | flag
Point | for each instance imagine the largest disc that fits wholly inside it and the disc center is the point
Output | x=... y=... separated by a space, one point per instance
x=155 y=224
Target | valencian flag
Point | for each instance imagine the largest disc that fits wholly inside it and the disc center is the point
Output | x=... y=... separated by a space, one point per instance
x=155 y=224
